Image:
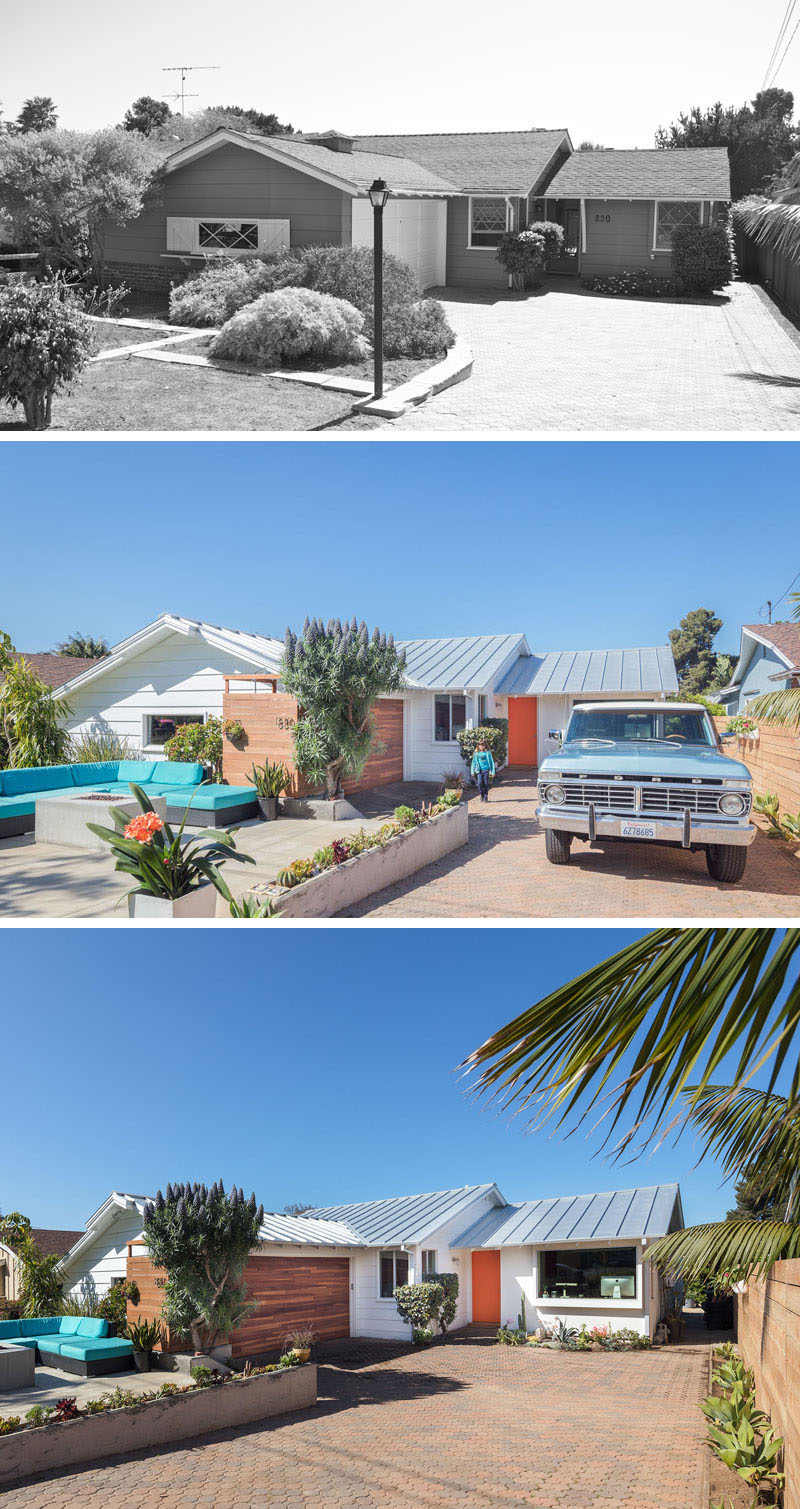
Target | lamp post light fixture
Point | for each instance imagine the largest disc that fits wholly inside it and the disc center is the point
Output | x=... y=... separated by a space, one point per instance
x=378 y=194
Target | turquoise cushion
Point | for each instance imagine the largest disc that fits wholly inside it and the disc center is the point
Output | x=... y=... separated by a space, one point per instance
x=16 y=806
x=214 y=798
x=41 y=778
x=9 y=1328
x=177 y=773
x=93 y=771
x=46 y=796
x=94 y=1350
x=26 y=1341
x=68 y=1324
x=37 y=1325
x=136 y=770
x=50 y=1341
x=92 y=1325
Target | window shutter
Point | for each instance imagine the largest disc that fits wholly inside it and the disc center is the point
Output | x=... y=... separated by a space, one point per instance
x=180 y=234
x=273 y=235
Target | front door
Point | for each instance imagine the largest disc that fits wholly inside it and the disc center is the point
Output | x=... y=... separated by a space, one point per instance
x=486 y=1288
x=569 y=216
x=523 y=735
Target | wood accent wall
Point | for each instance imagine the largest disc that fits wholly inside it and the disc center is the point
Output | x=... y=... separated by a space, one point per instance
x=269 y=718
x=290 y=1291
x=773 y=761
x=768 y=1318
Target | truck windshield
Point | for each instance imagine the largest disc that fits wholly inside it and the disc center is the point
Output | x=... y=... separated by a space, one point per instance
x=646 y=727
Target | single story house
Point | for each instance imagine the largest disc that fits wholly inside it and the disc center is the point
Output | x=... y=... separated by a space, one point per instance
x=50 y=1242
x=577 y=1257
x=452 y=196
x=178 y=670
x=769 y=661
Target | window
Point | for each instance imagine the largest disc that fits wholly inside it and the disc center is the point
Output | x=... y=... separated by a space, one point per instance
x=449 y=718
x=216 y=236
x=487 y=221
x=428 y=1263
x=679 y=729
x=669 y=216
x=393 y=1272
x=227 y=235
x=163 y=727
x=594 y=1273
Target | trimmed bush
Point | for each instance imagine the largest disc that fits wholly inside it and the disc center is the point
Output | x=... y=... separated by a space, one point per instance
x=525 y=254
x=703 y=257
x=225 y=287
x=493 y=738
x=346 y=272
x=419 y=1303
x=290 y=325
x=636 y=284
x=419 y=329
x=45 y=342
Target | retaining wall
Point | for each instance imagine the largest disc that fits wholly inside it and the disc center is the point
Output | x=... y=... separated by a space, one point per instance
x=773 y=761
x=768 y=1317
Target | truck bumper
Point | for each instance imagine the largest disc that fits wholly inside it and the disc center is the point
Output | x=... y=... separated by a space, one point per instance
x=668 y=830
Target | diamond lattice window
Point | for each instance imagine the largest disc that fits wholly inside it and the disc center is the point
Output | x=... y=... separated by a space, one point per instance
x=670 y=218
x=228 y=235
x=488 y=222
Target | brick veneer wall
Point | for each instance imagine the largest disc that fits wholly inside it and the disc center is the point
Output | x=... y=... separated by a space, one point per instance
x=269 y=718
x=773 y=761
x=768 y=1318
x=145 y=277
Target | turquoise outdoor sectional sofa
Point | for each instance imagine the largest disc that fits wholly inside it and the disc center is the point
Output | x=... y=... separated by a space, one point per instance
x=177 y=781
x=77 y=1343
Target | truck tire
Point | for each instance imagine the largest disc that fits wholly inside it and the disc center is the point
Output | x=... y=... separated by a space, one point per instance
x=557 y=846
x=726 y=862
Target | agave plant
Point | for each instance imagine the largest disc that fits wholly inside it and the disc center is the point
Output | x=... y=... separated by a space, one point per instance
x=161 y=863
x=270 y=780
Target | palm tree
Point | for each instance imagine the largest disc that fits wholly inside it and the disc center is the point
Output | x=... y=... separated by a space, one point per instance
x=674 y=1004
x=781 y=707
x=83 y=647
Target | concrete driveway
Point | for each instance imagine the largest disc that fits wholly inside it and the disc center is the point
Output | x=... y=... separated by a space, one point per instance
x=503 y=872
x=462 y=1426
x=564 y=359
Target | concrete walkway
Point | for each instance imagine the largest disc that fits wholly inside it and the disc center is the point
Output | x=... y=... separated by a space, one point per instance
x=564 y=359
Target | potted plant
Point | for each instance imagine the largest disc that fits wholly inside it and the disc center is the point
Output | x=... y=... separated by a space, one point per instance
x=270 y=781
x=173 y=878
x=145 y=1335
x=453 y=780
x=299 y=1342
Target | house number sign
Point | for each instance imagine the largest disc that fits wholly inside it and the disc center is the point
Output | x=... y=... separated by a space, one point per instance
x=602 y=219
x=285 y=722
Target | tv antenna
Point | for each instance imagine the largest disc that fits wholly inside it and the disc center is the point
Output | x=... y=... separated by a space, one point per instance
x=183 y=69
x=766 y=608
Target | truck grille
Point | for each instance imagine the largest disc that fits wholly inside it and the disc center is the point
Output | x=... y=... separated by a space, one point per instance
x=614 y=797
x=647 y=796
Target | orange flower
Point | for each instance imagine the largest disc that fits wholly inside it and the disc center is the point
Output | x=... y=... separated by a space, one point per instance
x=143 y=826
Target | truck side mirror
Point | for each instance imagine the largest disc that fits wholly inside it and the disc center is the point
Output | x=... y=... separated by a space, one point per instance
x=727 y=734
x=557 y=734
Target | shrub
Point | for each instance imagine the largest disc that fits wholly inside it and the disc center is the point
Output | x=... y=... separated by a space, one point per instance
x=422 y=1336
x=45 y=342
x=290 y=325
x=203 y=1239
x=419 y=329
x=225 y=287
x=95 y=746
x=113 y=1307
x=494 y=738
x=509 y=1336
x=637 y=284
x=198 y=741
x=419 y=1303
x=715 y=708
x=703 y=257
x=347 y=272
x=524 y=254
x=449 y=1283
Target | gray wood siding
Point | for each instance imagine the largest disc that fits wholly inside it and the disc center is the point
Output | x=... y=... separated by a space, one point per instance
x=625 y=243
x=464 y=267
x=235 y=182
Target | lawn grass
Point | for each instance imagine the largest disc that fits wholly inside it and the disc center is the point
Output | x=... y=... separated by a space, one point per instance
x=107 y=337
x=396 y=369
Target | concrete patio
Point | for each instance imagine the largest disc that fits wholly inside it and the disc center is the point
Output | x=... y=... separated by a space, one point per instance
x=53 y=1383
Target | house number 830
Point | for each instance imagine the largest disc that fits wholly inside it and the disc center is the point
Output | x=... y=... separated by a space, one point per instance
x=602 y=219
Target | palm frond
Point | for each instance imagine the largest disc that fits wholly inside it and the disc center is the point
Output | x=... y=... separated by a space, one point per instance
x=781 y=707
x=771 y=223
x=725 y=1250
x=749 y=1126
x=678 y=1000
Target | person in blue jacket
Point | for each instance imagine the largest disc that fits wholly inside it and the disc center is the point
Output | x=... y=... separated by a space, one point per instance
x=483 y=767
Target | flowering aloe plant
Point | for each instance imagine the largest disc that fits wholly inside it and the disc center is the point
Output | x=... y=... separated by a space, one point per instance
x=146 y=847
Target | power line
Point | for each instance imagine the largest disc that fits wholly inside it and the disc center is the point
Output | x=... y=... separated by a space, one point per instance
x=771 y=603
x=785 y=51
x=778 y=40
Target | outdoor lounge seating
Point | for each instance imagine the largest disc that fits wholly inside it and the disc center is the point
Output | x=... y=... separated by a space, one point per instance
x=176 y=781
x=76 y=1343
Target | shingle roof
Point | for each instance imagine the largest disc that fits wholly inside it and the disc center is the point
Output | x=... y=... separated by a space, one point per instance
x=588 y=671
x=784 y=636
x=439 y=664
x=405 y=1218
x=685 y=173
x=52 y=1243
x=615 y=1214
x=54 y=670
x=511 y=162
x=353 y=171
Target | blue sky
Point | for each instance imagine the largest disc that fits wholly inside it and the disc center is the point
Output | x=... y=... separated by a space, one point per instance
x=314 y=1066
x=594 y=545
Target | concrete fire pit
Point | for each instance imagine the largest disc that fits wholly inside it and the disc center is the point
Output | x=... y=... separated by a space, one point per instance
x=63 y=819
x=17 y=1367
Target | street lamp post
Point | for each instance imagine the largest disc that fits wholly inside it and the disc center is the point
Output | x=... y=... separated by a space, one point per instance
x=378 y=194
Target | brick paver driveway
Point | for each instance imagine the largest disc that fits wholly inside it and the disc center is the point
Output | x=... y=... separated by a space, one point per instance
x=462 y=1426
x=503 y=872
x=564 y=359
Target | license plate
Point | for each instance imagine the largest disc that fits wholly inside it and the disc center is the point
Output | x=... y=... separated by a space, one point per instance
x=638 y=830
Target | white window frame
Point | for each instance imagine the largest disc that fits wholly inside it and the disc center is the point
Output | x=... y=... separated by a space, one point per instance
x=394 y=1253
x=148 y=746
x=431 y=1253
x=439 y=697
x=509 y=219
x=265 y=227
x=666 y=251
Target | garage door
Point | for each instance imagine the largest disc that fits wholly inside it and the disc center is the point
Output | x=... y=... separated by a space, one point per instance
x=413 y=229
x=293 y=1292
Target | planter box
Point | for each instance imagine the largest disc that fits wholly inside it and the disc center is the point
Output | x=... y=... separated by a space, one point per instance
x=94 y=1437
x=347 y=884
x=201 y=902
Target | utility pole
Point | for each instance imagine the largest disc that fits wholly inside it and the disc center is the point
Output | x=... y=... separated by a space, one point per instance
x=183 y=69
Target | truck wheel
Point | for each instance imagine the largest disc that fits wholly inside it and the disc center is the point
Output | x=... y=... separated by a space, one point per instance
x=557 y=846
x=726 y=862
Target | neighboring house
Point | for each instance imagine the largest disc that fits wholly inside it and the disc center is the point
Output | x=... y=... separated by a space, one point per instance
x=53 y=670
x=769 y=661
x=49 y=1243
x=175 y=670
x=579 y=1258
x=453 y=195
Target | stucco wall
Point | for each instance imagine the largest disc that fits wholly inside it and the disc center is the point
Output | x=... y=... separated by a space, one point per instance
x=768 y=1317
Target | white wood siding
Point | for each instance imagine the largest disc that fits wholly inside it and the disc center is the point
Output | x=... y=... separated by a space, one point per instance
x=105 y=1258
x=414 y=230
x=425 y=760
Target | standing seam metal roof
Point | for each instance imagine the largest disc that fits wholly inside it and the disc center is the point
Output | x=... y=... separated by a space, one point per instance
x=643 y=669
x=306 y=1231
x=612 y=1215
x=442 y=663
x=401 y=1219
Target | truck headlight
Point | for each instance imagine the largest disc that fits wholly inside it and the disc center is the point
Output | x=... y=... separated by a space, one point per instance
x=733 y=804
x=555 y=794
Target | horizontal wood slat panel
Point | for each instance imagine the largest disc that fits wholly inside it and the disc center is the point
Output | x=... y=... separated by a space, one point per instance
x=773 y=761
x=268 y=719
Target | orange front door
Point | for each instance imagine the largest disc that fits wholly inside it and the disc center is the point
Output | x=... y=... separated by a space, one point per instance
x=486 y=1288
x=523 y=731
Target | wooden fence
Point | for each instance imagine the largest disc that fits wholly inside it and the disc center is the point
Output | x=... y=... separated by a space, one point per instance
x=773 y=760
x=779 y=274
x=769 y=1341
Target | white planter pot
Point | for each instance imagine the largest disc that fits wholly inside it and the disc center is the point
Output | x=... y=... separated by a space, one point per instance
x=201 y=902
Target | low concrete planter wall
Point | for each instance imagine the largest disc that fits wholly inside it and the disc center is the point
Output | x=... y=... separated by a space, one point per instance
x=93 y=1437
x=347 y=884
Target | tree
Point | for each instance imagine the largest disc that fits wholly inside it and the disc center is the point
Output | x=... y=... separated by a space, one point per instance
x=146 y=115
x=781 y=707
x=591 y=146
x=83 y=647
x=337 y=674
x=296 y=1208
x=219 y=117
x=41 y=1279
x=692 y=648
x=61 y=190
x=45 y=342
x=32 y=728
x=760 y=137
x=37 y=114
x=202 y=1238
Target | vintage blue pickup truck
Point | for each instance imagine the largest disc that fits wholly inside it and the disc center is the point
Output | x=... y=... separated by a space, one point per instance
x=647 y=771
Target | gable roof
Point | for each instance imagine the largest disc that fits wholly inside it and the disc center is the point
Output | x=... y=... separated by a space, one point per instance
x=353 y=172
x=54 y=670
x=100 y=1219
x=783 y=637
x=258 y=650
x=51 y=1242
x=509 y=162
x=577 y=671
x=684 y=173
x=405 y=1219
x=622 y=1214
x=474 y=661
x=307 y=1230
